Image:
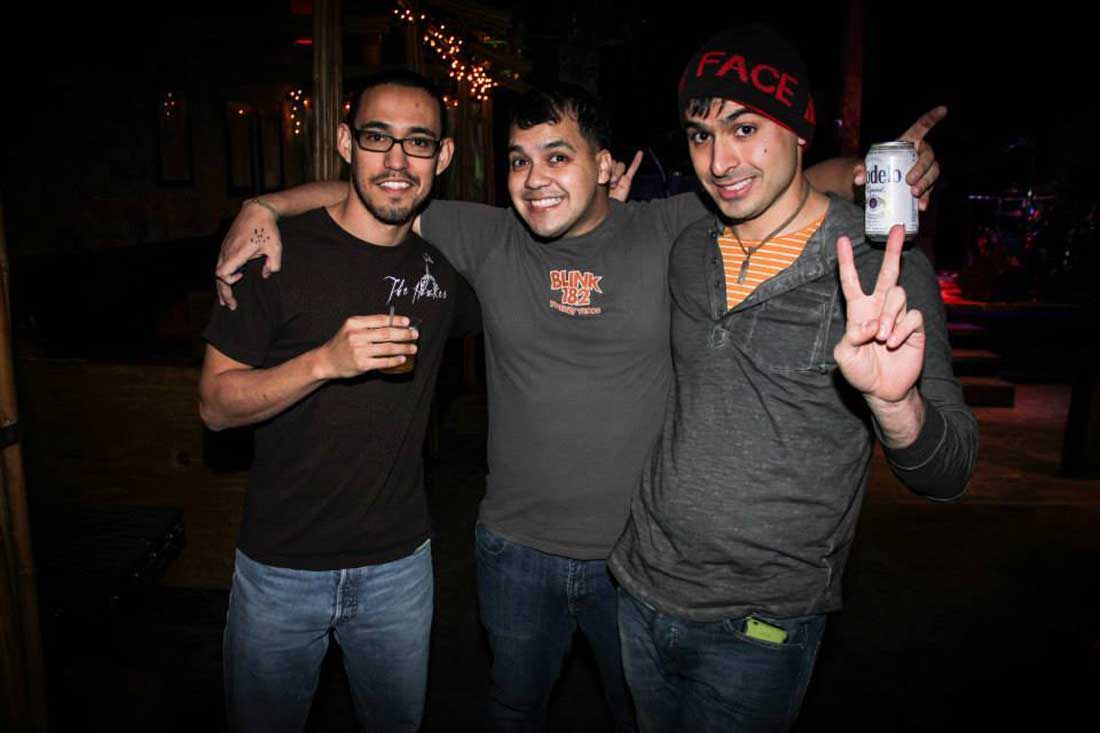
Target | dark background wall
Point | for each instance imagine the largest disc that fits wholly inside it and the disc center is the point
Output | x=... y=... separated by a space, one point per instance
x=86 y=211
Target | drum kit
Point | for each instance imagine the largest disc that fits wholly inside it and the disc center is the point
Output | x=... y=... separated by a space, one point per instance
x=1027 y=244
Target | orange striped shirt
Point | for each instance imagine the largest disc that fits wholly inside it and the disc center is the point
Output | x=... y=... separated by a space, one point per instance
x=767 y=262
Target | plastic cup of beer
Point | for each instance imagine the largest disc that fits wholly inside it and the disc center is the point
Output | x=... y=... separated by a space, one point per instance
x=410 y=359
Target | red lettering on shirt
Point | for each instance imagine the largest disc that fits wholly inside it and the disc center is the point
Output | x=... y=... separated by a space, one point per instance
x=592 y=282
x=576 y=289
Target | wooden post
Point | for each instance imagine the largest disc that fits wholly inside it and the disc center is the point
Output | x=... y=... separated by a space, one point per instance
x=851 y=104
x=328 y=74
x=1081 y=437
x=16 y=536
x=13 y=676
x=414 y=57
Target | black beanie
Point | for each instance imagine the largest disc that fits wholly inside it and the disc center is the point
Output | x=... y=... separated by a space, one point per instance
x=757 y=67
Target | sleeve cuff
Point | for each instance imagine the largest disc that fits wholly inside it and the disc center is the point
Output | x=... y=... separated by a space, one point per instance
x=252 y=357
x=921 y=450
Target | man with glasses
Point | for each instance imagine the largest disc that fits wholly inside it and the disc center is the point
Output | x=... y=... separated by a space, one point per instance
x=335 y=534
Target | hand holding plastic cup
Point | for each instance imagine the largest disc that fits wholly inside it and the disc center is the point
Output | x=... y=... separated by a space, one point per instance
x=410 y=359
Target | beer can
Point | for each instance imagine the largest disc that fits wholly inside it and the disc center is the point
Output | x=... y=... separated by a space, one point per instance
x=888 y=199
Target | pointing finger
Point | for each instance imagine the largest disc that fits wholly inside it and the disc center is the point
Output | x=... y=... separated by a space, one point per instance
x=926 y=158
x=924 y=123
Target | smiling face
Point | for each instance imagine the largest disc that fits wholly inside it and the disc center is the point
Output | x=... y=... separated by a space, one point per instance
x=393 y=184
x=556 y=180
x=747 y=163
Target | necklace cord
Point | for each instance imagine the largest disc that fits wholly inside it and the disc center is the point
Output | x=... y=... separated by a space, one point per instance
x=750 y=251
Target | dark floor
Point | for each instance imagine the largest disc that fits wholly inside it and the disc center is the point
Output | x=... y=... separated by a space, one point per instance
x=978 y=615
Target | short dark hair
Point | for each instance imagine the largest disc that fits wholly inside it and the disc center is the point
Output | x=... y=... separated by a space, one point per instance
x=699 y=106
x=549 y=105
x=401 y=77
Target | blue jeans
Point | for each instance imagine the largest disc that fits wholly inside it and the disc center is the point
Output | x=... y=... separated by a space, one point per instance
x=531 y=604
x=700 y=677
x=277 y=632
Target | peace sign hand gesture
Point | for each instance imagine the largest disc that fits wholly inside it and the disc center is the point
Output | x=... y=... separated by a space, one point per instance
x=882 y=351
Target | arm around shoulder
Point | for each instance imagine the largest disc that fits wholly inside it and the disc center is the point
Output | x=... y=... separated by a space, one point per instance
x=255 y=234
x=465 y=232
x=303 y=198
x=835 y=175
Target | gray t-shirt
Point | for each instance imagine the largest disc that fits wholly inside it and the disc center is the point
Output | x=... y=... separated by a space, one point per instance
x=577 y=361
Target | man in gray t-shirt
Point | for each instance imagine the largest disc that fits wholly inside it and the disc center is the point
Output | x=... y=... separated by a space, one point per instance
x=574 y=293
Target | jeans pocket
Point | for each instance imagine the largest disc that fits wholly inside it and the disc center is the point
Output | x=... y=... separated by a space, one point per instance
x=794 y=628
x=489 y=543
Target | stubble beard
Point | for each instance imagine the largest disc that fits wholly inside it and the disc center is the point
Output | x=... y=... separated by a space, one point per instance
x=391 y=215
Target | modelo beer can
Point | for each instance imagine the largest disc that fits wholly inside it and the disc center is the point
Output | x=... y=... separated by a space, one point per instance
x=888 y=199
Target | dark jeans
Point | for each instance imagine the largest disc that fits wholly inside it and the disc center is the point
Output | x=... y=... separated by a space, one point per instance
x=277 y=631
x=531 y=604
x=701 y=677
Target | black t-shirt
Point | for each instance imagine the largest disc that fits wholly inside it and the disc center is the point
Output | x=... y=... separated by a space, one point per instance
x=337 y=479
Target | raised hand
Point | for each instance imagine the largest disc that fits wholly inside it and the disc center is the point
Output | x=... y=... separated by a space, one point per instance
x=622 y=177
x=253 y=234
x=924 y=173
x=882 y=351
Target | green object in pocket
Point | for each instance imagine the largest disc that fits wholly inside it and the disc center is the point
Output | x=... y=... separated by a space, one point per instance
x=757 y=629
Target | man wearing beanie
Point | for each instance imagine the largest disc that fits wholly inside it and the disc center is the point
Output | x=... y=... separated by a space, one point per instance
x=796 y=345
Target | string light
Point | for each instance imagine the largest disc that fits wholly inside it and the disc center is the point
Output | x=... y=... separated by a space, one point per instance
x=471 y=76
x=297 y=105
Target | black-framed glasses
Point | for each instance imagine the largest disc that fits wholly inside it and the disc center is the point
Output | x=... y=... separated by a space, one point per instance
x=417 y=146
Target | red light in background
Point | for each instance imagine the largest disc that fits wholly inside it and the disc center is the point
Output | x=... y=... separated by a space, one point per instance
x=303 y=41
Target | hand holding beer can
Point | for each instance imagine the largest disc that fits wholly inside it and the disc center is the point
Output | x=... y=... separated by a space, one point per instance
x=888 y=198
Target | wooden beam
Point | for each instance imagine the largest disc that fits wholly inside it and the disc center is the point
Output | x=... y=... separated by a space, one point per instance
x=852 y=101
x=16 y=533
x=328 y=74
x=13 y=676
